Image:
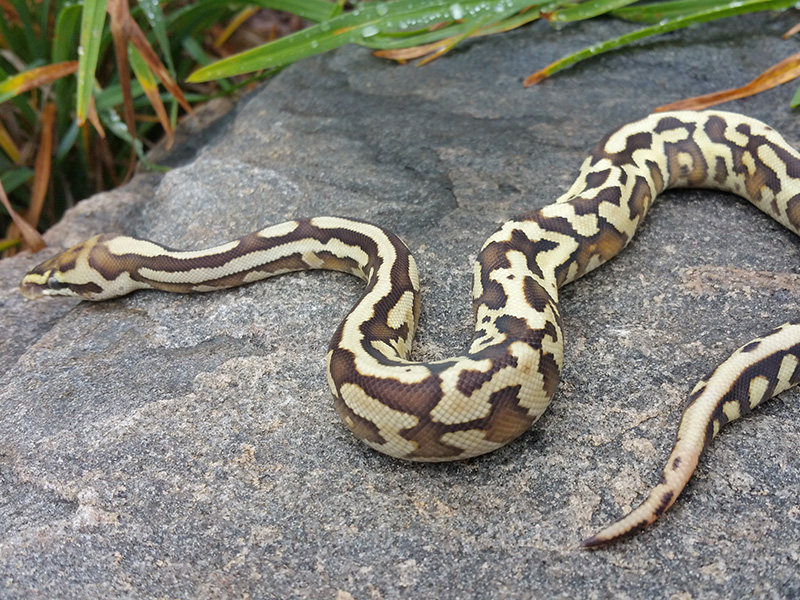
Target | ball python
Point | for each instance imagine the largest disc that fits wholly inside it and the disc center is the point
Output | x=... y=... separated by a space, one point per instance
x=499 y=386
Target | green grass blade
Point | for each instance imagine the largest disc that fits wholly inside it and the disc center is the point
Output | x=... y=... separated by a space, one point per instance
x=67 y=141
x=795 y=102
x=155 y=17
x=313 y=10
x=192 y=19
x=94 y=13
x=586 y=10
x=730 y=9
x=37 y=45
x=360 y=27
x=64 y=37
x=6 y=244
x=195 y=50
x=44 y=17
x=659 y=11
x=11 y=180
x=66 y=27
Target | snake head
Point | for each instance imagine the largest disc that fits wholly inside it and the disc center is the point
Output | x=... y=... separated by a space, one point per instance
x=65 y=274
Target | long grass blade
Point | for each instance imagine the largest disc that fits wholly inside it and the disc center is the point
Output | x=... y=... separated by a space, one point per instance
x=11 y=180
x=150 y=87
x=313 y=10
x=584 y=10
x=8 y=145
x=660 y=11
x=155 y=17
x=31 y=237
x=120 y=15
x=93 y=19
x=44 y=158
x=139 y=40
x=28 y=80
x=731 y=9
x=780 y=73
x=364 y=26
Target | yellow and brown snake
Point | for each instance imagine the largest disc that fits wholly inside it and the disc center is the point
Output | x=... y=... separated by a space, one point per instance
x=487 y=396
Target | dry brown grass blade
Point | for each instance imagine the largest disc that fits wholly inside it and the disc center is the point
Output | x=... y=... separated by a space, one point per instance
x=28 y=80
x=31 y=238
x=151 y=91
x=791 y=32
x=780 y=73
x=403 y=54
x=139 y=40
x=94 y=119
x=44 y=158
x=235 y=23
x=119 y=12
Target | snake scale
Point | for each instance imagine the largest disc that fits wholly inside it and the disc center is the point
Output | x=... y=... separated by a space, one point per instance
x=476 y=402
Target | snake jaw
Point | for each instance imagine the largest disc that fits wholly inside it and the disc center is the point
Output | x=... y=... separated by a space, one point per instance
x=31 y=289
x=38 y=283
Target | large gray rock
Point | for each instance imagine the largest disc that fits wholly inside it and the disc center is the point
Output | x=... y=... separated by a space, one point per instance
x=186 y=446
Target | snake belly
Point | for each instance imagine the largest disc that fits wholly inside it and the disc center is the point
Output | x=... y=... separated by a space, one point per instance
x=480 y=400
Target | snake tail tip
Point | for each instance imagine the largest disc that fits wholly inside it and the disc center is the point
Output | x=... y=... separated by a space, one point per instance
x=592 y=543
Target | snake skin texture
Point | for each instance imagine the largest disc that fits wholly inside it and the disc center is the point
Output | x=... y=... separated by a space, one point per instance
x=503 y=381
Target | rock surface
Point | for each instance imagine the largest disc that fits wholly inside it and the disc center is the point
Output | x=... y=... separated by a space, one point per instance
x=186 y=446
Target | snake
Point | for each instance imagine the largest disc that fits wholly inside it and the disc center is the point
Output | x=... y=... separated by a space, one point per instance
x=474 y=403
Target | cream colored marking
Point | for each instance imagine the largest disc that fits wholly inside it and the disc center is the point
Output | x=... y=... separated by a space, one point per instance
x=685 y=162
x=125 y=245
x=472 y=441
x=279 y=230
x=585 y=225
x=758 y=391
x=396 y=352
x=389 y=422
x=787 y=369
x=732 y=410
x=739 y=139
x=749 y=162
x=477 y=284
x=255 y=259
x=402 y=313
x=312 y=260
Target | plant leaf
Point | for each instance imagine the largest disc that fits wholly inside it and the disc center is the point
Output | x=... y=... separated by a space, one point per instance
x=92 y=22
x=139 y=40
x=8 y=145
x=364 y=26
x=717 y=12
x=155 y=16
x=780 y=73
x=11 y=180
x=584 y=10
x=120 y=15
x=150 y=87
x=44 y=157
x=28 y=80
x=32 y=238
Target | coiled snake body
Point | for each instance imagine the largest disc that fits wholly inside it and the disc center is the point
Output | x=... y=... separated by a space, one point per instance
x=484 y=398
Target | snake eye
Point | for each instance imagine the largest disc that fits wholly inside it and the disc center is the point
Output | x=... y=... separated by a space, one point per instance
x=55 y=284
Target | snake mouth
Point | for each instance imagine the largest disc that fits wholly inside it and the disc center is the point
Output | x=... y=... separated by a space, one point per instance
x=31 y=290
